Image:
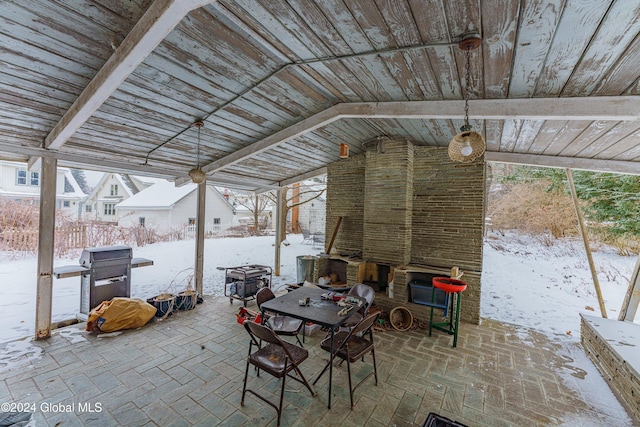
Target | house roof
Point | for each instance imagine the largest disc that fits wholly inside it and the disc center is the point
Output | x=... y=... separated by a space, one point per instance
x=161 y=195
x=279 y=85
x=126 y=183
x=77 y=191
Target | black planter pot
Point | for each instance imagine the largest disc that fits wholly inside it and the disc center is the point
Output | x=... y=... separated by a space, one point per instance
x=165 y=304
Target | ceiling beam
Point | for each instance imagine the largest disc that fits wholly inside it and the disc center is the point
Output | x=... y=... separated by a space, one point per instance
x=576 y=163
x=157 y=22
x=304 y=176
x=316 y=121
x=106 y=163
x=616 y=108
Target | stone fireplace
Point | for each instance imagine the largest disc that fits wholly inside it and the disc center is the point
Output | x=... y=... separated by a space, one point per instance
x=407 y=211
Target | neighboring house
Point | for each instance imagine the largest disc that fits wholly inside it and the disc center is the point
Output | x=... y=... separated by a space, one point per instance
x=167 y=207
x=312 y=215
x=20 y=184
x=112 y=189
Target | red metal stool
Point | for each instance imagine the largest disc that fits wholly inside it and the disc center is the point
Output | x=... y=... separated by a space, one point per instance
x=454 y=289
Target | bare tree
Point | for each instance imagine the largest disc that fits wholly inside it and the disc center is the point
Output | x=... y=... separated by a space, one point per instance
x=256 y=204
x=299 y=195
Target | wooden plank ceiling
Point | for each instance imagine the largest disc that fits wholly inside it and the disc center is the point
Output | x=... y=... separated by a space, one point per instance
x=279 y=84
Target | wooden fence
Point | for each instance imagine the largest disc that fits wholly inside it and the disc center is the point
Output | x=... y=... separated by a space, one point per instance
x=26 y=240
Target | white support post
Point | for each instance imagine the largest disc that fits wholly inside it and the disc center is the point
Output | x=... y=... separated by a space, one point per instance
x=200 y=220
x=279 y=225
x=585 y=240
x=632 y=298
x=46 y=233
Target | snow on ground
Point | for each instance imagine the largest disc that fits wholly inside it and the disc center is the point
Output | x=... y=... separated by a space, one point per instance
x=545 y=287
x=173 y=264
x=524 y=282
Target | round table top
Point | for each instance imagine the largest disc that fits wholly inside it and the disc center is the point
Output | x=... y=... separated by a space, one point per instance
x=448 y=284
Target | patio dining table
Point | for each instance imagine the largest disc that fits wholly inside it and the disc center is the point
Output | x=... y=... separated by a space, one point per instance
x=321 y=311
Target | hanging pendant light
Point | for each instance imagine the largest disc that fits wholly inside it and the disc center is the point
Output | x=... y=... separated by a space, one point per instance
x=468 y=145
x=197 y=174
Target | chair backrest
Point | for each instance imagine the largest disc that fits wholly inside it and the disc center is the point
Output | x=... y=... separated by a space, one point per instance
x=363 y=291
x=260 y=332
x=264 y=295
x=364 y=326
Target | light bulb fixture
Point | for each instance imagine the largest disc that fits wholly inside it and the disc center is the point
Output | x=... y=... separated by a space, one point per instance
x=466 y=150
x=467 y=145
x=197 y=174
x=344 y=151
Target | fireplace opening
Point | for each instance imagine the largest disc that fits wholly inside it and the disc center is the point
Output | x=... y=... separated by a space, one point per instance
x=337 y=271
x=377 y=276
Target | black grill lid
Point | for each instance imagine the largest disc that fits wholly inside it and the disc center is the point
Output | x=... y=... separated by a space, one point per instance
x=105 y=253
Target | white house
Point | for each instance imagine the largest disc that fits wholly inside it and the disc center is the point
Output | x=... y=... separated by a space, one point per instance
x=311 y=214
x=17 y=183
x=112 y=189
x=167 y=207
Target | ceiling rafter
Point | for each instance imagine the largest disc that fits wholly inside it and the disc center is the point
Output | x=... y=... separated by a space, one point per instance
x=596 y=165
x=584 y=108
x=157 y=22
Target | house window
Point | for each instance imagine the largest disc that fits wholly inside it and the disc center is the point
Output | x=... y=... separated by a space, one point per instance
x=114 y=189
x=192 y=221
x=141 y=221
x=87 y=208
x=27 y=178
x=66 y=204
x=216 y=221
x=109 y=209
x=21 y=177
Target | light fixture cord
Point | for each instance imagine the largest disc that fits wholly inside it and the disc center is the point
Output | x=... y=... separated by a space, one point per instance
x=198 y=154
x=467 y=84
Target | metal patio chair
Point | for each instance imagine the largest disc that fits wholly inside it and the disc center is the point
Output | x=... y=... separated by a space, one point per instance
x=281 y=325
x=351 y=346
x=363 y=291
x=276 y=357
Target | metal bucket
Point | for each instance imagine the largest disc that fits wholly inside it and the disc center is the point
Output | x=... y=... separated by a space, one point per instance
x=305 y=265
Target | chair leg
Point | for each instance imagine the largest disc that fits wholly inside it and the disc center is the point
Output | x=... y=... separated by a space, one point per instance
x=375 y=368
x=350 y=386
x=322 y=373
x=299 y=342
x=284 y=377
x=244 y=387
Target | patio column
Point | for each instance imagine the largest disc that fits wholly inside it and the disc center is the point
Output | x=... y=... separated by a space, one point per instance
x=632 y=297
x=279 y=225
x=46 y=233
x=200 y=219
x=585 y=240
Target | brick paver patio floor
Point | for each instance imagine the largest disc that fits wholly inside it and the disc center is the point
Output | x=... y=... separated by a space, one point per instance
x=188 y=370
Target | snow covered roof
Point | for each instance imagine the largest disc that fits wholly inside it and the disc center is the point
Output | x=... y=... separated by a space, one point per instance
x=163 y=194
x=77 y=191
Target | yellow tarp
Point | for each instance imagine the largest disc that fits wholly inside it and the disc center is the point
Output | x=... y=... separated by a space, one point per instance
x=120 y=313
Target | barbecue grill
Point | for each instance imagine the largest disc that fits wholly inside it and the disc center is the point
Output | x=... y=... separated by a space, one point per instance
x=105 y=273
x=244 y=282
